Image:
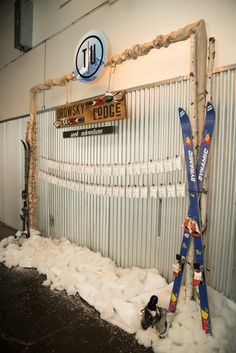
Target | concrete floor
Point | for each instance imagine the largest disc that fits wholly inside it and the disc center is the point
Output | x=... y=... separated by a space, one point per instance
x=34 y=319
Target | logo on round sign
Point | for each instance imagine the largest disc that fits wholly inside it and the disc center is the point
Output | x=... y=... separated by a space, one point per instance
x=90 y=56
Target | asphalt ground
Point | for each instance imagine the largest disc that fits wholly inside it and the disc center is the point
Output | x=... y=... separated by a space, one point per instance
x=35 y=319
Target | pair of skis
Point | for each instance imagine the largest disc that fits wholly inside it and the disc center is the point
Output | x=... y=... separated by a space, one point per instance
x=25 y=197
x=192 y=223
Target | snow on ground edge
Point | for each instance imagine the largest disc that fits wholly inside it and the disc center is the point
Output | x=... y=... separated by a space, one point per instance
x=120 y=294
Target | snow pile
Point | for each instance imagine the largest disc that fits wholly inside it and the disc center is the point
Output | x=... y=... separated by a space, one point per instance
x=120 y=294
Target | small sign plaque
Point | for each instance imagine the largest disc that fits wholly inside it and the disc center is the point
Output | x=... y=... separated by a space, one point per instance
x=89 y=132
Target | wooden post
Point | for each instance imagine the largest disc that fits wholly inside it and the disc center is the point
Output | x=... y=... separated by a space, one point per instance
x=194 y=125
x=204 y=196
x=31 y=137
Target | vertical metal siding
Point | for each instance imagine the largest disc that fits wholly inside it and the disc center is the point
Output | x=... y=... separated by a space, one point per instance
x=222 y=193
x=12 y=171
x=134 y=232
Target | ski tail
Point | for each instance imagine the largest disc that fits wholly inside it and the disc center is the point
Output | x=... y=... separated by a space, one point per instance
x=181 y=261
x=200 y=278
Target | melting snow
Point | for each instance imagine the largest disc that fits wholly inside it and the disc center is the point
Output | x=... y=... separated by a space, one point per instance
x=120 y=294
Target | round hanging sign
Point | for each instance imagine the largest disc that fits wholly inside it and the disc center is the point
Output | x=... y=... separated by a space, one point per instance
x=90 y=56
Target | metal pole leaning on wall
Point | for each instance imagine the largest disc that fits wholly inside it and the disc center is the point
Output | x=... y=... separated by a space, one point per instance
x=134 y=52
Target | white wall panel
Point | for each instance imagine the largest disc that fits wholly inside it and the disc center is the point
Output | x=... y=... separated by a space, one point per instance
x=50 y=17
x=12 y=171
x=222 y=196
x=16 y=81
x=8 y=52
x=126 y=22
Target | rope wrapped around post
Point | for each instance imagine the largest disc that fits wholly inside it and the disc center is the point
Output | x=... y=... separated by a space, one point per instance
x=161 y=41
x=31 y=137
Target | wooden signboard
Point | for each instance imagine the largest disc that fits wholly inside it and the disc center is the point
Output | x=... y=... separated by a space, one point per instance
x=108 y=107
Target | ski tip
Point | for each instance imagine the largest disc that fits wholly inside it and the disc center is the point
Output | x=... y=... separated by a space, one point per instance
x=181 y=112
x=209 y=106
x=26 y=144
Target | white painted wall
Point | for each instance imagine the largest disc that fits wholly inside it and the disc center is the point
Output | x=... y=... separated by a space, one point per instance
x=55 y=18
x=7 y=51
x=126 y=22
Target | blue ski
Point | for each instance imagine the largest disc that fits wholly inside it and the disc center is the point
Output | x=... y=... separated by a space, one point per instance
x=192 y=222
x=193 y=195
x=199 y=270
x=205 y=144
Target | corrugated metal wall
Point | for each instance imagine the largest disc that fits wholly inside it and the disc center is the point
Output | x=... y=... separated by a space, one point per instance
x=133 y=231
x=222 y=194
x=11 y=171
x=142 y=231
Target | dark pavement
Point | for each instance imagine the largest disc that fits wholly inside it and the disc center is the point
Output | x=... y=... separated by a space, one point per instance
x=35 y=319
